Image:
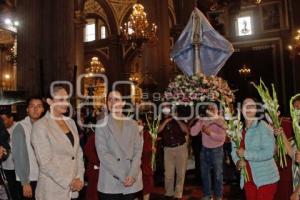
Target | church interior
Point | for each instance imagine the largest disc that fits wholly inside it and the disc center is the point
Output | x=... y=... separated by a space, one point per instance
x=93 y=45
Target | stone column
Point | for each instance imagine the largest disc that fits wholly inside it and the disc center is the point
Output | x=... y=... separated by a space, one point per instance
x=156 y=57
x=46 y=37
x=29 y=46
x=58 y=52
x=116 y=70
x=79 y=45
x=295 y=22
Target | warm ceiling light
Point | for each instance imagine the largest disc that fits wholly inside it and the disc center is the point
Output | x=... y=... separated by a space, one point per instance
x=138 y=30
x=7 y=21
x=245 y=70
x=16 y=23
x=95 y=67
x=7 y=76
x=294 y=47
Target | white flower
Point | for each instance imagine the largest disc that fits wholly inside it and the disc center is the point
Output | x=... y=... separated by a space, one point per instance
x=202 y=98
x=235 y=122
x=227 y=116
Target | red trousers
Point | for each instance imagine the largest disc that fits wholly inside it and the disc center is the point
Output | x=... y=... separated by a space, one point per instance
x=265 y=192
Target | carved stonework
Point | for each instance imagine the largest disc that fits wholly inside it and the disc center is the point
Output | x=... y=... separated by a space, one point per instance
x=171 y=4
x=121 y=8
x=79 y=18
x=92 y=6
x=104 y=51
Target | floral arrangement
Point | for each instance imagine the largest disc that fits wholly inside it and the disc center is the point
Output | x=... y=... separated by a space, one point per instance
x=198 y=88
x=271 y=105
x=234 y=132
x=153 y=129
x=295 y=114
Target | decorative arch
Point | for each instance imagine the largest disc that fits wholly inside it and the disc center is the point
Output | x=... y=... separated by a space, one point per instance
x=172 y=17
x=120 y=9
x=110 y=16
x=126 y=14
x=107 y=13
x=96 y=16
x=130 y=57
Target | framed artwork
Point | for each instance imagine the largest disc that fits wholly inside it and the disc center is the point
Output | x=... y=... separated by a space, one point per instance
x=271 y=16
x=219 y=20
x=244 y=24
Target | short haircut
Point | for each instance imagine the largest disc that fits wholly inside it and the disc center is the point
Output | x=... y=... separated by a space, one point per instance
x=6 y=112
x=34 y=98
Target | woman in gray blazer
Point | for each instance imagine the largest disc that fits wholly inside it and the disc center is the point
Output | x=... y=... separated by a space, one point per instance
x=119 y=146
x=56 y=144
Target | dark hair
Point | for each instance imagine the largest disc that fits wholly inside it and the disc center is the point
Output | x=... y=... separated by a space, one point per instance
x=55 y=89
x=28 y=101
x=143 y=118
x=257 y=107
x=296 y=99
x=6 y=112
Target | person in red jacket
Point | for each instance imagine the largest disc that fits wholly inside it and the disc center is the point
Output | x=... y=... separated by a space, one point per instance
x=92 y=170
x=286 y=178
x=146 y=160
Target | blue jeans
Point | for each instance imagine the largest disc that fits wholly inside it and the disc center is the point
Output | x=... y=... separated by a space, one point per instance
x=212 y=159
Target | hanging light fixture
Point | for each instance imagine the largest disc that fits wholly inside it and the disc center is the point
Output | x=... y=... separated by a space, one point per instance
x=138 y=30
x=135 y=78
x=95 y=67
x=245 y=71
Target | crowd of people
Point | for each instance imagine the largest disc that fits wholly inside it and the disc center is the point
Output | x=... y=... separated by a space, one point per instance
x=43 y=158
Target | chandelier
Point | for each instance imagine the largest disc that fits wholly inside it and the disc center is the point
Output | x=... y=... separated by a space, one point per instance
x=295 y=46
x=245 y=71
x=138 y=30
x=135 y=78
x=95 y=67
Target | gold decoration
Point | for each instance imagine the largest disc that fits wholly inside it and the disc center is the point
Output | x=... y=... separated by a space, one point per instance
x=295 y=46
x=245 y=71
x=96 y=67
x=138 y=30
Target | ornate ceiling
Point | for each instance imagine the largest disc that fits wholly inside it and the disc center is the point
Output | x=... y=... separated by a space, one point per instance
x=92 y=6
x=119 y=9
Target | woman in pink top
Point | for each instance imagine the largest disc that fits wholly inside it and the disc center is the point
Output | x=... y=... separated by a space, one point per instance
x=213 y=132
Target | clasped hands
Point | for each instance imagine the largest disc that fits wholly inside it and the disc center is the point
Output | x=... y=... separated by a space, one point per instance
x=76 y=185
x=129 y=181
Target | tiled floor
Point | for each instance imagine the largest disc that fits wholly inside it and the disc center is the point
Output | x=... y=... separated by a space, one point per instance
x=192 y=190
